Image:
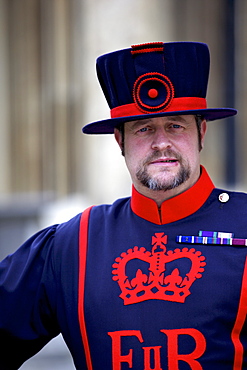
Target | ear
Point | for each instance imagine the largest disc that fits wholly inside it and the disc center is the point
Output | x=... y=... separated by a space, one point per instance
x=203 y=132
x=118 y=137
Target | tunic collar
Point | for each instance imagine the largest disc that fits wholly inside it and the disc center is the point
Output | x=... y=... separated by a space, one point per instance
x=176 y=208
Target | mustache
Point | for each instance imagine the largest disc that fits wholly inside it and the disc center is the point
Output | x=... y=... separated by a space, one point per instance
x=158 y=154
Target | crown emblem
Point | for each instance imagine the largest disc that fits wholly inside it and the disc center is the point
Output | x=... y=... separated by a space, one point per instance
x=155 y=282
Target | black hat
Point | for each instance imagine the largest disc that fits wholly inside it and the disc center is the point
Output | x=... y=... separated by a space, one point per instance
x=155 y=79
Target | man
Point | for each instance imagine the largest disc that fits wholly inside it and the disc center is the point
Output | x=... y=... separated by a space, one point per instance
x=155 y=281
x=162 y=154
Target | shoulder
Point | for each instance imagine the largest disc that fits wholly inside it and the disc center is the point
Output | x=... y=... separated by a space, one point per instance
x=228 y=196
x=66 y=238
x=111 y=209
x=67 y=233
x=232 y=203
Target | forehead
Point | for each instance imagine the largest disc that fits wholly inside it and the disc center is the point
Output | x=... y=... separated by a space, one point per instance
x=156 y=120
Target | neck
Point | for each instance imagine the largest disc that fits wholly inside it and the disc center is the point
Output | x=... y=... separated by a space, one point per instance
x=159 y=196
x=176 y=208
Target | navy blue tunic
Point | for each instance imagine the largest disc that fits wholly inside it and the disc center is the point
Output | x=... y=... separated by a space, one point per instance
x=126 y=293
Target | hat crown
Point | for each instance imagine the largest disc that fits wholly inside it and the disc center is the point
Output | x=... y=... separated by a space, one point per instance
x=161 y=67
x=155 y=79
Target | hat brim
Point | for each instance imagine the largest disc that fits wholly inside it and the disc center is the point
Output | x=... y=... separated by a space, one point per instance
x=107 y=126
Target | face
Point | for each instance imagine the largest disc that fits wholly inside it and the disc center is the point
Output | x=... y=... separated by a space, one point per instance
x=162 y=154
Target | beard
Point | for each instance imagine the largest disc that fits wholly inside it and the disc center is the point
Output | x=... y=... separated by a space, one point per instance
x=159 y=182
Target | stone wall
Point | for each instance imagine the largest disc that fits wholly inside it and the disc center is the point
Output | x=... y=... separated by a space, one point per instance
x=49 y=90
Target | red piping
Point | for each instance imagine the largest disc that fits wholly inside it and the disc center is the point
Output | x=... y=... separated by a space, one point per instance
x=241 y=316
x=83 y=242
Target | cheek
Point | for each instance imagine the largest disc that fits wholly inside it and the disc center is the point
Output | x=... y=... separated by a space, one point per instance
x=189 y=150
x=134 y=155
x=193 y=155
x=131 y=162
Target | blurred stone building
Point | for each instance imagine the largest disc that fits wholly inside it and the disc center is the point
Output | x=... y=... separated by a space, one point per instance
x=49 y=90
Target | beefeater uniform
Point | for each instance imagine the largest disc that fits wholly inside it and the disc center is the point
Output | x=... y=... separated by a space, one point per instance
x=131 y=285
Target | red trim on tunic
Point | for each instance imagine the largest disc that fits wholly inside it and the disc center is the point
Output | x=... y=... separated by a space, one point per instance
x=174 y=209
x=240 y=320
x=83 y=242
x=177 y=104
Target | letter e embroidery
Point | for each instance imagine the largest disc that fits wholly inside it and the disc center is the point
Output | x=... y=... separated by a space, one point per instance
x=117 y=358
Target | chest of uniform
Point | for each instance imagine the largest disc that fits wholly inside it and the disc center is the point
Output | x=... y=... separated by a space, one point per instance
x=150 y=296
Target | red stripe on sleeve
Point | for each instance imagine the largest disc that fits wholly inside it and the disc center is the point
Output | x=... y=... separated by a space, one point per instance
x=238 y=326
x=83 y=242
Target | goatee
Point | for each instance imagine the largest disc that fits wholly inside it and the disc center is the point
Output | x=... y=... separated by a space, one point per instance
x=163 y=184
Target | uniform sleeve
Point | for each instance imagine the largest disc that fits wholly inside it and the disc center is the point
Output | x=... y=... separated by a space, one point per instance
x=27 y=300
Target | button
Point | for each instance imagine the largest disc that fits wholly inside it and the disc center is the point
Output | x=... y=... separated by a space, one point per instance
x=224 y=197
x=153 y=93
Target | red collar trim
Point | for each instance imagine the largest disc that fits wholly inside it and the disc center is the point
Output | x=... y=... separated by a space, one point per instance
x=176 y=208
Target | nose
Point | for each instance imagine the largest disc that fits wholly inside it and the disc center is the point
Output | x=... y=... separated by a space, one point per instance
x=161 y=140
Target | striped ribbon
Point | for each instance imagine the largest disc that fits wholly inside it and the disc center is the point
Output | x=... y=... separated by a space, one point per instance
x=211 y=237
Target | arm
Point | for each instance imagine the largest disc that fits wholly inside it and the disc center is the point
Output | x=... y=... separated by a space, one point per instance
x=27 y=307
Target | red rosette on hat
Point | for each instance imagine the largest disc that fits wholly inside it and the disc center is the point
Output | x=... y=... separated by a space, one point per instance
x=153 y=92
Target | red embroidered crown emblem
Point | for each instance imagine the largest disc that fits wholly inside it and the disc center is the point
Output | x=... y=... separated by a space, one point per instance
x=157 y=283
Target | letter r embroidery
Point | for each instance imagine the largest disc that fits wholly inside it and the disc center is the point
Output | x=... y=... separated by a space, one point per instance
x=172 y=348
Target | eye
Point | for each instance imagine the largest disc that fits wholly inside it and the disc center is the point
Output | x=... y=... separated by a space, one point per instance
x=176 y=127
x=144 y=129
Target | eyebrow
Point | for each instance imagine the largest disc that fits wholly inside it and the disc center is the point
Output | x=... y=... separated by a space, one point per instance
x=177 y=118
x=141 y=122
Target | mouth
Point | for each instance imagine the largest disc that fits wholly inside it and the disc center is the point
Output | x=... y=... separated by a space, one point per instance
x=164 y=161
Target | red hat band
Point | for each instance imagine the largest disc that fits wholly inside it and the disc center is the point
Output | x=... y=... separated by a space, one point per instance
x=177 y=104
